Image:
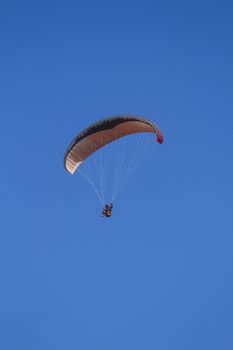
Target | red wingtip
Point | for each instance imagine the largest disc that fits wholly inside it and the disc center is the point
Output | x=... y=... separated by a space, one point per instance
x=159 y=136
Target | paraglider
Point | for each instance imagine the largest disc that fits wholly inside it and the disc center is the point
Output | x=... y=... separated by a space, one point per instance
x=107 y=152
x=107 y=210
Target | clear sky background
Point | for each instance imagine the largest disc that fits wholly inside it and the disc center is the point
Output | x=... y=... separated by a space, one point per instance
x=159 y=274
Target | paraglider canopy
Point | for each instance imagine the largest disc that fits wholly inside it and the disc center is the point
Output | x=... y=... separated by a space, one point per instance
x=103 y=132
x=109 y=151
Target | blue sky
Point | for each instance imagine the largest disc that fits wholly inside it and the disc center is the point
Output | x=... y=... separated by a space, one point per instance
x=158 y=275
